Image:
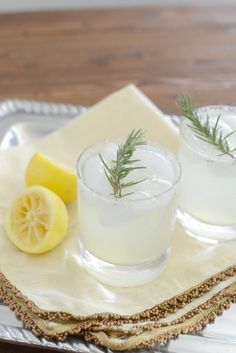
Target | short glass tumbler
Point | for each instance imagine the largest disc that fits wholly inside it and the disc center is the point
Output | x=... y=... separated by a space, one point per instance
x=126 y=241
x=207 y=192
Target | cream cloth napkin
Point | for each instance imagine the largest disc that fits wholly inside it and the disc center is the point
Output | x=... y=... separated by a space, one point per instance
x=57 y=282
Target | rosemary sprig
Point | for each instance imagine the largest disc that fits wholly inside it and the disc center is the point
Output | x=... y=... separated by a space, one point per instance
x=124 y=164
x=203 y=129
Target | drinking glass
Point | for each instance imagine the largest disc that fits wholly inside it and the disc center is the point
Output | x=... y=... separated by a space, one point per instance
x=126 y=241
x=207 y=192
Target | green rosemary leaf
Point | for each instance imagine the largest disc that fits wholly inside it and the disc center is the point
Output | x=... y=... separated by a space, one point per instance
x=124 y=163
x=134 y=160
x=104 y=163
x=229 y=134
x=203 y=129
x=131 y=183
x=128 y=193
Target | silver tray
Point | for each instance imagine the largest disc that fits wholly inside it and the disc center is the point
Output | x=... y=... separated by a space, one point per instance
x=22 y=121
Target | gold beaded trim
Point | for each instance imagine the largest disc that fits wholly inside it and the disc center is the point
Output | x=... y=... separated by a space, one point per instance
x=191 y=322
x=144 y=329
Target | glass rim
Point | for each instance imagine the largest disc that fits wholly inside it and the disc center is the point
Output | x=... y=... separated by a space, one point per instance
x=226 y=108
x=112 y=199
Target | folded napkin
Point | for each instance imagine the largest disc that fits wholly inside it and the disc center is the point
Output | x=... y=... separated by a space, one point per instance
x=54 y=295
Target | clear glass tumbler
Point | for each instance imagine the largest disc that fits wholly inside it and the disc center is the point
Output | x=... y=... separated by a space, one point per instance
x=207 y=192
x=126 y=241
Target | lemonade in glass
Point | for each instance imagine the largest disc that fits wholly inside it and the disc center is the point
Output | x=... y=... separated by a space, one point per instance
x=207 y=192
x=125 y=241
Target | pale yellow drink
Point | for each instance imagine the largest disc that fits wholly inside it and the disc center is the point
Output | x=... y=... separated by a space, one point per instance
x=135 y=230
x=207 y=192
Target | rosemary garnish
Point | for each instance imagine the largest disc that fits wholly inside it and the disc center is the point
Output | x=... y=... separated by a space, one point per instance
x=203 y=129
x=124 y=164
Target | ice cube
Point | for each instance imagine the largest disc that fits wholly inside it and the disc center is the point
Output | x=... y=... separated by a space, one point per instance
x=93 y=169
x=226 y=125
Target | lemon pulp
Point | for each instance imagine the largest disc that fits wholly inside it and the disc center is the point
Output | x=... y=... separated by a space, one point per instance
x=37 y=220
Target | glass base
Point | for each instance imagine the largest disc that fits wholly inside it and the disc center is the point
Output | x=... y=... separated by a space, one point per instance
x=209 y=233
x=119 y=275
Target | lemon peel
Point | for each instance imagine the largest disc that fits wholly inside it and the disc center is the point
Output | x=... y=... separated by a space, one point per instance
x=43 y=171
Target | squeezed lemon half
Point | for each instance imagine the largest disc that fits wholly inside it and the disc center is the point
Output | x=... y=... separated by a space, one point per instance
x=43 y=171
x=37 y=220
